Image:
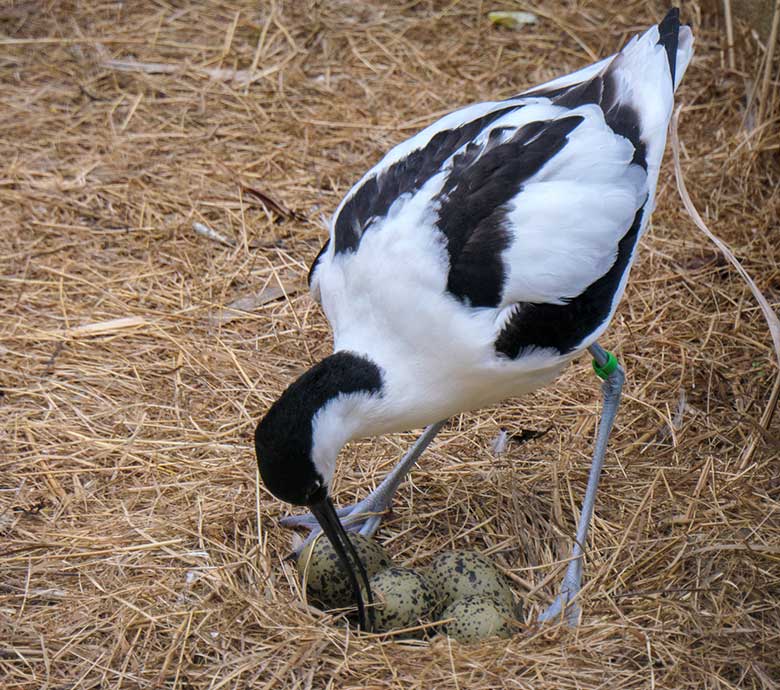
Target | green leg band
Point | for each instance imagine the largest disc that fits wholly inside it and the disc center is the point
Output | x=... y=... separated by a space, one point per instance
x=609 y=366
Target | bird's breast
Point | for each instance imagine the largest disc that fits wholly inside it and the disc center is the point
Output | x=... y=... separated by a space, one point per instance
x=425 y=386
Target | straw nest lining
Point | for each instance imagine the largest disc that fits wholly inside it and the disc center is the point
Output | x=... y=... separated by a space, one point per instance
x=132 y=554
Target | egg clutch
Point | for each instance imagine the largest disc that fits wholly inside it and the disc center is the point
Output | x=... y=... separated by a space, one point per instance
x=462 y=589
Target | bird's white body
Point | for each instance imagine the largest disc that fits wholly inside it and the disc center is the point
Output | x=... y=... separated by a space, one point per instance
x=386 y=296
x=437 y=358
x=470 y=265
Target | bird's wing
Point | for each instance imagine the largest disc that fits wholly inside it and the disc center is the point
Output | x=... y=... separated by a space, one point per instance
x=539 y=217
x=535 y=198
x=400 y=174
x=577 y=223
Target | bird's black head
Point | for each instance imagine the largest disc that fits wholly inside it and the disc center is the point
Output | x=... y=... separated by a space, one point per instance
x=284 y=439
x=284 y=443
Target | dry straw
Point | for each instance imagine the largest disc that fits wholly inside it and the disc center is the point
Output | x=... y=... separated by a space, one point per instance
x=137 y=353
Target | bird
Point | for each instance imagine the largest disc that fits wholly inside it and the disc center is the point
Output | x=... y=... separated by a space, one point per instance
x=470 y=265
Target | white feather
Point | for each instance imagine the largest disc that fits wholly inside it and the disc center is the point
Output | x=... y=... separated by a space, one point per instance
x=569 y=217
x=388 y=299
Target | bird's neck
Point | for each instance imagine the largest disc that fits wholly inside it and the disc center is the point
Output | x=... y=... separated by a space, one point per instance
x=330 y=404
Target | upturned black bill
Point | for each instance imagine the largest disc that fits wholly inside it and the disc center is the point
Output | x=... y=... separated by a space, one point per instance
x=323 y=510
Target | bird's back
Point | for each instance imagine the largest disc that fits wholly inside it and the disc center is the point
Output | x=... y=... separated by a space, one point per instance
x=502 y=235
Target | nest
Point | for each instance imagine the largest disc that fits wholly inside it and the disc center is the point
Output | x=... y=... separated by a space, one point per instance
x=136 y=355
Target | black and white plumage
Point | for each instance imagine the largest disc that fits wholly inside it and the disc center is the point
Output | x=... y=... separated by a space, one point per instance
x=507 y=228
x=479 y=257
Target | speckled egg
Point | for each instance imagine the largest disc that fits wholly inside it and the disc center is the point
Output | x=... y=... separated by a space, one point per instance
x=458 y=574
x=477 y=617
x=327 y=582
x=402 y=598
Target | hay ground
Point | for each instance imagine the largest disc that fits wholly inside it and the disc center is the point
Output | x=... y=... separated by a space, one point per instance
x=132 y=555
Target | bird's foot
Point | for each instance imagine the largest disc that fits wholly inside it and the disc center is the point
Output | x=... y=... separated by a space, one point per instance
x=564 y=603
x=363 y=517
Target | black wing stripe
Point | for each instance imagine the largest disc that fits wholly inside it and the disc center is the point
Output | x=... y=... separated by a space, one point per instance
x=622 y=118
x=590 y=91
x=602 y=90
x=669 y=35
x=473 y=205
x=372 y=200
x=564 y=326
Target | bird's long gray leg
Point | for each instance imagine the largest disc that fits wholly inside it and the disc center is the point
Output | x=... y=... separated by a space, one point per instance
x=365 y=516
x=572 y=580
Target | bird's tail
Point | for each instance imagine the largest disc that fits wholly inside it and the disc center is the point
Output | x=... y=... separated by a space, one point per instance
x=644 y=75
x=678 y=42
x=675 y=39
x=637 y=56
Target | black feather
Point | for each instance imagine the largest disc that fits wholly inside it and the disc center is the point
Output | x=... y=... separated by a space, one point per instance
x=564 y=326
x=622 y=118
x=372 y=200
x=602 y=89
x=669 y=35
x=472 y=205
